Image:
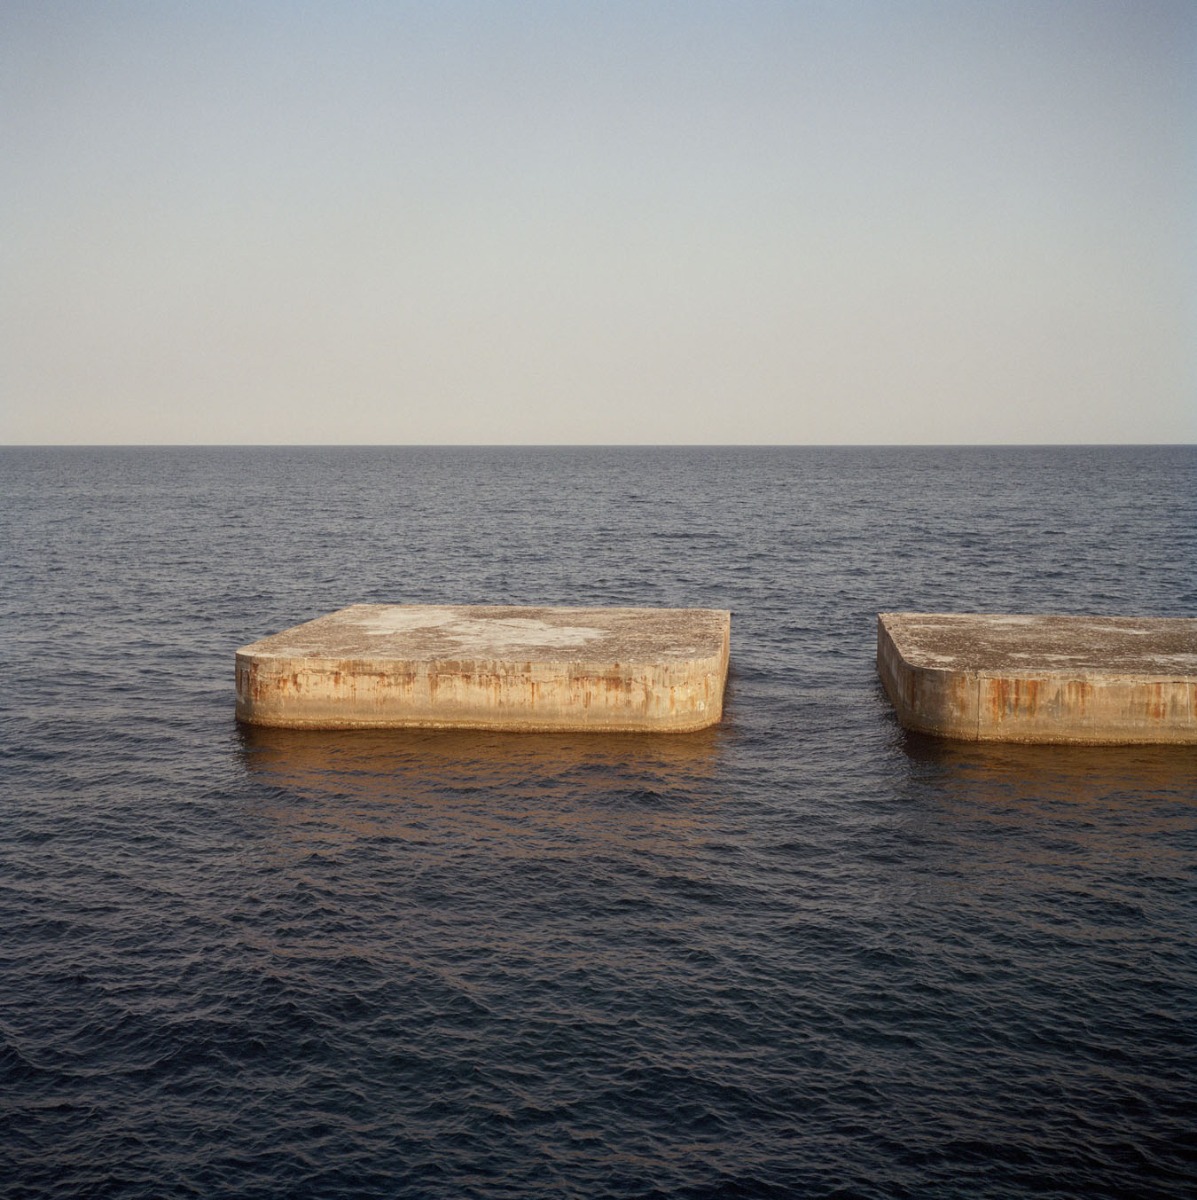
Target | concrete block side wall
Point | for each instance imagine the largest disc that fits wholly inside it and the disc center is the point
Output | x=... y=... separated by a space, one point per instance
x=1110 y=710
x=329 y=693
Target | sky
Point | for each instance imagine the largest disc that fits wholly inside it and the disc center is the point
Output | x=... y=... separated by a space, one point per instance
x=603 y=222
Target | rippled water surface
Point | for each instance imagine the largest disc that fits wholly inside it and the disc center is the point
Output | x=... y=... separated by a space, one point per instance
x=802 y=954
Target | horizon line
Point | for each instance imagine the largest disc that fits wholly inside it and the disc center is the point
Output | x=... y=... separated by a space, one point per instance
x=582 y=445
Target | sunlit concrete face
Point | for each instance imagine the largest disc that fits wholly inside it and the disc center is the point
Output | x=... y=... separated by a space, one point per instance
x=488 y=667
x=1023 y=678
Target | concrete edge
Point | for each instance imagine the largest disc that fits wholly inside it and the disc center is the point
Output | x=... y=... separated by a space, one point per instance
x=931 y=700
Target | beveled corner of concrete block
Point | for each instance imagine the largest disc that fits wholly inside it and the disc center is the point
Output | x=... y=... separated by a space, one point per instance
x=490 y=667
x=1039 y=678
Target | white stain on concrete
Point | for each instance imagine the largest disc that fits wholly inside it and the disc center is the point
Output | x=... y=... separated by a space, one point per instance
x=498 y=634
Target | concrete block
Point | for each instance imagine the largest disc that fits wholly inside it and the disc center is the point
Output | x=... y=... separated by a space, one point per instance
x=1091 y=680
x=483 y=667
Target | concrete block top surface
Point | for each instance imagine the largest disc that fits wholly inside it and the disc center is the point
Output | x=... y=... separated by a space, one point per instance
x=1006 y=644
x=472 y=633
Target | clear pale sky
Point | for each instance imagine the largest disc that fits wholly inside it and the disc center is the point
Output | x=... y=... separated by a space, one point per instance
x=608 y=222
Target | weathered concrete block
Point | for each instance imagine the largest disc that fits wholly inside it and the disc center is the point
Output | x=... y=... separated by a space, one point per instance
x=1094 y=680
x=474 y=667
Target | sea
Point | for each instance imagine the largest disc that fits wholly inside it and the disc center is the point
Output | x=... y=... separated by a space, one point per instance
x=800 y=954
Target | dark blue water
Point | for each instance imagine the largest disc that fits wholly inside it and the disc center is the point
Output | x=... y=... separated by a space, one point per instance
x=803 y=954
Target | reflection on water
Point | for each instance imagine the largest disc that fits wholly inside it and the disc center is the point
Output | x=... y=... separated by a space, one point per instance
x=557 y=791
